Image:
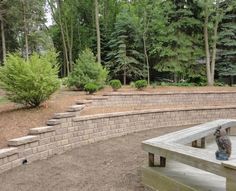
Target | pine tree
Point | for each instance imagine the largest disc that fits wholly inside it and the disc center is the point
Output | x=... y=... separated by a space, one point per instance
x=125 y=58
x=226 y=62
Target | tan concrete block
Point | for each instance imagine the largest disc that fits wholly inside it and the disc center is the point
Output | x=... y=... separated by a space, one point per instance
x=5 y=167
x=33 y=157
x=64 y=142
x=39 y=130
x=53 y=122
x=42 y=148
x=44 y=141
x=8 y=151
x=63 y=115
x=34 y=144
x=82 y=102
x=58 y=137
x=12 y=157
x=67 y=147
x=23 y=140
x=44 y=155
x=28 y=152
x=16 y=163
x=75 y=108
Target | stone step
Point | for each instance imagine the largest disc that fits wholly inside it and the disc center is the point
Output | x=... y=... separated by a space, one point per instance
x=5 y=152
x=98 y=98
x=39 y=130
x=74 y=108
x=81 y=102
x=53 y=122
x=63 y=115
x=23 y=140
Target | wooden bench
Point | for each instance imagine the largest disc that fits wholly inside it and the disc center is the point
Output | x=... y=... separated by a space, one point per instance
x=187 y=147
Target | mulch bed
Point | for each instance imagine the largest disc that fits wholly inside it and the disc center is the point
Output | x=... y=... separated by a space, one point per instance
x=16 y=121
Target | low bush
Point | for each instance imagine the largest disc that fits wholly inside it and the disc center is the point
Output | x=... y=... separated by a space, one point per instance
x=30 y=82
x=115 y=84
x=141 y=84
x=87 y=70
x=177 y=84
x=91 y=88
x=132 y=84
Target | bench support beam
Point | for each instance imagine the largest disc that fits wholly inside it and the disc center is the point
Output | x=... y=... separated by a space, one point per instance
x=151 y=159
x=202 y=143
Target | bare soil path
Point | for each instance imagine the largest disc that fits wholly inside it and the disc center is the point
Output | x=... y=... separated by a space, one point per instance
x=112 y=165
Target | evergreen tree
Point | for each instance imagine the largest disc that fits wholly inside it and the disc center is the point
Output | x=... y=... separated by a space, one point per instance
x=125 y=58
x=226 y=61
x=175 y=40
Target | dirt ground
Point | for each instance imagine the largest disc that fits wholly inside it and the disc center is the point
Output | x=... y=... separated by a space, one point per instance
x=16 y=121
x=111 y=165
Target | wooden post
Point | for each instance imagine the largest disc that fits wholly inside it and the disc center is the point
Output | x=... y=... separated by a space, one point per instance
x=203 y=142
x=227 y=131
x=194 y=143
x=150 y=159
x=230 y=185
x=162 y=162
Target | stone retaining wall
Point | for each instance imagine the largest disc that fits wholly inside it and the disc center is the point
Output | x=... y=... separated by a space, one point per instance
x=68 y=130
x=182 y=98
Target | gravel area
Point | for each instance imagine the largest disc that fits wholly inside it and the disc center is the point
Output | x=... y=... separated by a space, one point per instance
x=111 y=165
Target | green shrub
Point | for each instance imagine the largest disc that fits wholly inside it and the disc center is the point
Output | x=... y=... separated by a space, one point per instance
x=87 y=70
x=154 y=85
x=141 y=84
x=29 y=83
x=132 y=84
x=218 y=83
x=180 y=84
x=91 y=88
x=115 y=84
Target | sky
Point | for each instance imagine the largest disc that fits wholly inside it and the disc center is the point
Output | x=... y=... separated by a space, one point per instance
x=48 y=16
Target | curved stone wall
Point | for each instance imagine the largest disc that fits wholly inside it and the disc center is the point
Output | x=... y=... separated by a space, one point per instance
x=68 y=130
x=182 y=98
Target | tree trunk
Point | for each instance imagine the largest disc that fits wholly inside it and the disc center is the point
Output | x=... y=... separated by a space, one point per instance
x=63 y=39
x=3 y=41
x=69 y=41
x=231 y=80
x=145 y=27
x=146 y=58
x=71 y=45
x=208 y=64
x=213 y=60
x=25 y=32
x=124 y=78
x=98 y=32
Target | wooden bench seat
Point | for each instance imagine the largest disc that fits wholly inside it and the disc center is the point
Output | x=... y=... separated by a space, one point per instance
x=174 y=146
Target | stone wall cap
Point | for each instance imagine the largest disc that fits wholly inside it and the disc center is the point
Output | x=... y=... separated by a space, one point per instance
x=165 y=93
x=126 y=113
x=97 y=98
x=63 y=115
x=230 y=164
x=39 y=130
x=81 y=102
x=53 y=122
x=23 y=140
x=75 y=108
x=8 y=152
